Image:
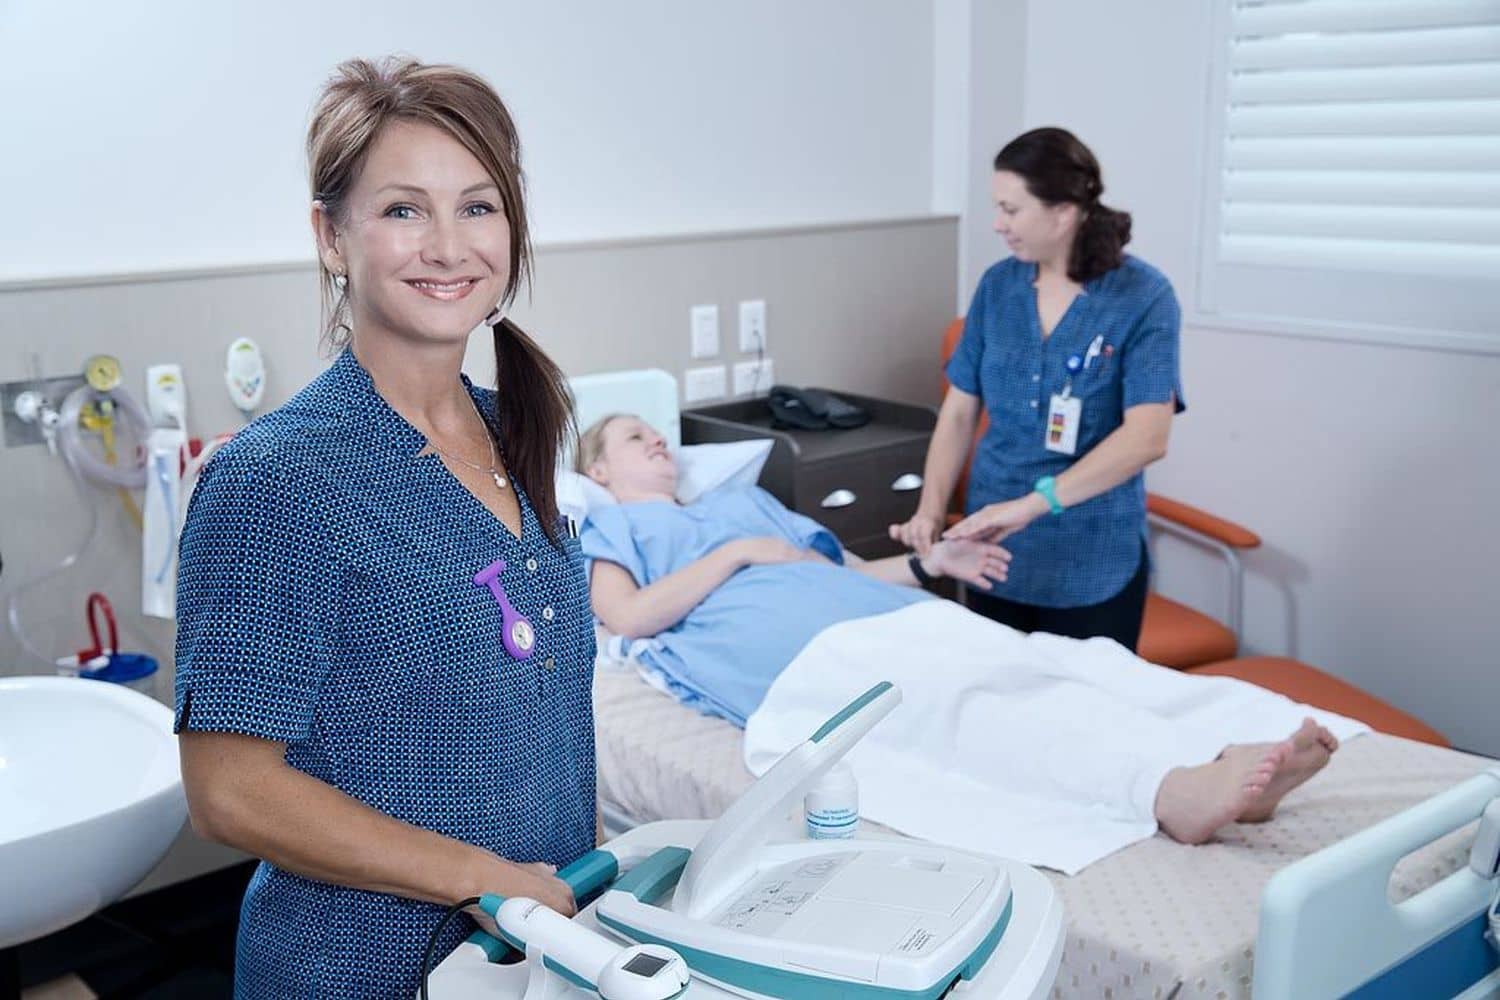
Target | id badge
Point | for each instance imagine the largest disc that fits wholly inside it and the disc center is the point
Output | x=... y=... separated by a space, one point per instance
x=1063 y=416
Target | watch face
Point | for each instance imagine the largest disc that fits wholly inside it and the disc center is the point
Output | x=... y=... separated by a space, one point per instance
x=522 y=635
x=102 y=372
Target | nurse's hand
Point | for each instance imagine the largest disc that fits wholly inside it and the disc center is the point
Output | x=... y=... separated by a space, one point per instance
x=992 y=523
x=919 y=533
x=975 y=563
x=535 y=880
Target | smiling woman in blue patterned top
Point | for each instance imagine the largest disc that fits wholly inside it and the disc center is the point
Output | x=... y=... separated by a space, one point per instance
x=1070 y=346
x=346 y=708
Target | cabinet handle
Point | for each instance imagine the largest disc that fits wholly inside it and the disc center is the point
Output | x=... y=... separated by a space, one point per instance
x=905 y=484
x=837 y=499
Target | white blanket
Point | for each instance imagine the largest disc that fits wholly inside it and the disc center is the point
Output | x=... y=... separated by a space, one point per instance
x=1039 y=748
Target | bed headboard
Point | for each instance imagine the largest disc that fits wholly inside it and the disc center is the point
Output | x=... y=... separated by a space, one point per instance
x=649 y=392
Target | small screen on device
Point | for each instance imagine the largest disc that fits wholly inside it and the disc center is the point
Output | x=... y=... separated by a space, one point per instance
x=645 y=965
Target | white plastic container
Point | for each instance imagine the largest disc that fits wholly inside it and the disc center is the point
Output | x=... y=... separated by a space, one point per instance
x=831 y=807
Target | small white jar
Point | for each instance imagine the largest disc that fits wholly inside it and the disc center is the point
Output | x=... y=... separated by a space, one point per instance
x=831 y=807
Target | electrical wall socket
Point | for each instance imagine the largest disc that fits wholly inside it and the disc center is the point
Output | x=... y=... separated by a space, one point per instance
x=705 y=327
x=753 y=327
x=699 y=384
x=753 y=377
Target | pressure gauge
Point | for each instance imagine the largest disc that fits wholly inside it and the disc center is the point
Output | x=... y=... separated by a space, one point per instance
x=102 y=372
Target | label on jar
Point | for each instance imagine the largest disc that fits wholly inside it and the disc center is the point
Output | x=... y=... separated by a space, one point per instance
x=832 y=823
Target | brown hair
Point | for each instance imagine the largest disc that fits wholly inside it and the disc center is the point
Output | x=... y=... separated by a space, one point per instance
x=533 y=406
x=591 y=443
x=1057 y=167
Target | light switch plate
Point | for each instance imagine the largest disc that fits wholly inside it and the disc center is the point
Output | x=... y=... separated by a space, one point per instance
x=753 y=378
x=705 y=327
x=753 y=327
x=699 y=384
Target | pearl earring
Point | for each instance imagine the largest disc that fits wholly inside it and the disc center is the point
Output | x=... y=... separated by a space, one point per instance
x=339 y=281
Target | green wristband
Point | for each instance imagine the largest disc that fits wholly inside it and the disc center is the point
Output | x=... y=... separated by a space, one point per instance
x=1047 y=487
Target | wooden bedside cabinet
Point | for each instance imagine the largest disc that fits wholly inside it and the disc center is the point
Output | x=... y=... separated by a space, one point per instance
x=854 y=482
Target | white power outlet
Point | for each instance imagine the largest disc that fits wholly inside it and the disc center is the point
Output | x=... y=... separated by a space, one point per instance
x=704 y=383
x=753 y=377
x=705 y=325
x=753 y=327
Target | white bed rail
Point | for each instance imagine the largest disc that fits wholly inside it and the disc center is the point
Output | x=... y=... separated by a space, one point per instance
x=1328 y=929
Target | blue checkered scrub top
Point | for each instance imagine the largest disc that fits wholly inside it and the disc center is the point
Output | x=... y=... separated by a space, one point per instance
x=325 y=599
x=1087 y=554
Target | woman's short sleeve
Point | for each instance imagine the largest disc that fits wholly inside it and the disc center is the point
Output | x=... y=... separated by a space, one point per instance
x=256 y=596
x=606 y=535
x=963 y=367
x=1150 y=361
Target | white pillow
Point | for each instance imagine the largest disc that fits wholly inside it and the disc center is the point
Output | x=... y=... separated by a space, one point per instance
x=700 y=468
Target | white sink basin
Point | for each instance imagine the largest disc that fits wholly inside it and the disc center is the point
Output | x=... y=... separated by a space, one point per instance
x=90 y=798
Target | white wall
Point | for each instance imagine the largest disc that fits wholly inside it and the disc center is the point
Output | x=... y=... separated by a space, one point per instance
x=169 y=135
x=995 y=58
x=1368 y=470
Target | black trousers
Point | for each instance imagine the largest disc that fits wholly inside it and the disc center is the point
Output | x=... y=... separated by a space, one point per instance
x=1117 y=618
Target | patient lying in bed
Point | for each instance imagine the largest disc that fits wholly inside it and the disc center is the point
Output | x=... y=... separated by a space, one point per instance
x=727 y=591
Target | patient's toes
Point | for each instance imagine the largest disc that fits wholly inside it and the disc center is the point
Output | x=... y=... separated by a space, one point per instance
x=1293 y=764
x=1306 y=734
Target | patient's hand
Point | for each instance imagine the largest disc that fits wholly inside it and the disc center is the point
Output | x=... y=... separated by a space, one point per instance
x=763 y=550
x=975 y=563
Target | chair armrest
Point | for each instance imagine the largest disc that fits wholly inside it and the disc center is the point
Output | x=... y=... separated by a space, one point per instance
x=1202 y=522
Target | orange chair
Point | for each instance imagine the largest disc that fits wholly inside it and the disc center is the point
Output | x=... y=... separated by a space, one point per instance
x=1312 y=686
x=1175 y=635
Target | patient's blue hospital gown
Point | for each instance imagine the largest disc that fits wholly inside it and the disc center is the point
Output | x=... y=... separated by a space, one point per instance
x=724 y=655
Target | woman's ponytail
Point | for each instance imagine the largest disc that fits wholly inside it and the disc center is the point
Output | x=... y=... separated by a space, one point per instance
x=1100 y=243
x=534 y=407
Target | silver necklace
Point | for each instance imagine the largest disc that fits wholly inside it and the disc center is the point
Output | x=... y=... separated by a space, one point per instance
x=492 y=469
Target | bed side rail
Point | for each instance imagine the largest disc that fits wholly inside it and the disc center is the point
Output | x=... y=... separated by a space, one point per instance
x=1327 y=928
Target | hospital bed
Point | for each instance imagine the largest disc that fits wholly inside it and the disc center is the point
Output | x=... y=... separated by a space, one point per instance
x=1157 y=920
x=1154 y=918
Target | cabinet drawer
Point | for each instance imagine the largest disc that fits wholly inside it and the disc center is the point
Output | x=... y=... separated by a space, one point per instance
x=859 y=496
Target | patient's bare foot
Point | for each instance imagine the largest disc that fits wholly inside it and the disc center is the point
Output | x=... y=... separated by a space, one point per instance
x=1193 y=802
x=1312 y=745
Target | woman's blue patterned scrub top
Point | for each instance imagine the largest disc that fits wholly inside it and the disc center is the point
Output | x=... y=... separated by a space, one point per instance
x=325 y=600
x=1089 y=552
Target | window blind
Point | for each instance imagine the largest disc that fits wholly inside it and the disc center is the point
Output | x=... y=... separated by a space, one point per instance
x=1363 y=137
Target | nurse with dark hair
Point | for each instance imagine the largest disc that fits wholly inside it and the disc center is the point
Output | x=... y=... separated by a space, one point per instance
x=1071 y=348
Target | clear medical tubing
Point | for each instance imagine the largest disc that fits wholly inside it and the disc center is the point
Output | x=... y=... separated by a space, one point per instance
x=83 y=467
x=93 y=468
x=13 y=602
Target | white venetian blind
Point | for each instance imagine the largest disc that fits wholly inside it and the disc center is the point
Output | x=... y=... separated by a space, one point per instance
x=1361 y=136
x=1364 y=133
